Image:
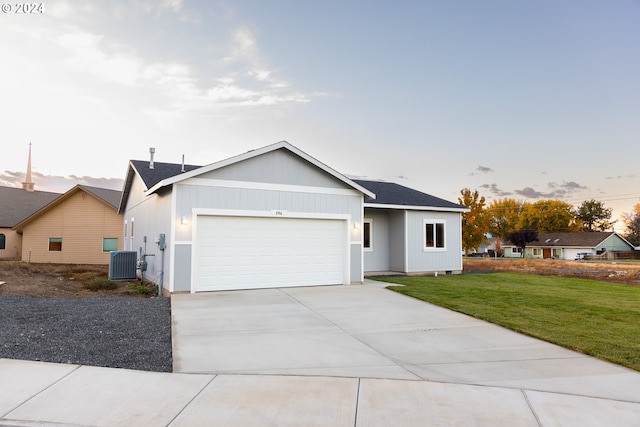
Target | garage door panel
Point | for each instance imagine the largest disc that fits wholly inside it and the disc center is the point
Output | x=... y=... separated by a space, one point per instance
x=251 y=252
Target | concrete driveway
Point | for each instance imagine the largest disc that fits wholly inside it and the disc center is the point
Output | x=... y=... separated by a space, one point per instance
x=366 y=331
x=349 y=356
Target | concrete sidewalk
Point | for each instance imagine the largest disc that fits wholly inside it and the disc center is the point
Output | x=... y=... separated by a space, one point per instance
x=329 y=356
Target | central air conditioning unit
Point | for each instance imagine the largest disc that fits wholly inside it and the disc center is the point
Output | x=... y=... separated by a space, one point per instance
x=123 y=265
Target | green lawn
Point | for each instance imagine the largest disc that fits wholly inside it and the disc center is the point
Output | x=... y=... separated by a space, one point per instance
x=596 y=318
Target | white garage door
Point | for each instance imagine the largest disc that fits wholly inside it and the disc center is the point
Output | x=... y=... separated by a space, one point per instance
x=250 y=252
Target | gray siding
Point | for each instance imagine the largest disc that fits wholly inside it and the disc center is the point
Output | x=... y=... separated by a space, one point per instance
x=397 y=241
x=152 y=216
x=182 y=276
x=420 y=260
x=189 y=196
x=377 y=259
x=356 y=263
x=276 y=167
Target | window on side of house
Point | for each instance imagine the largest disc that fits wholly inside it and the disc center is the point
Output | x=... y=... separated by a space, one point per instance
x=537 y=251
x=3 y=241
x=366 y=235
x=557 y=252
x=109 y=244
x=434 y=235
x=55 y=244
x=516 y=250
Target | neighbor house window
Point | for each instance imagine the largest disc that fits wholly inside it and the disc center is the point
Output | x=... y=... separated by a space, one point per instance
x=434 y=235
x=109 y=244
x=537 y=251
x=366 y=234
x=557 y=252
x=3 y=242
x=516 y=250
x=55 y=244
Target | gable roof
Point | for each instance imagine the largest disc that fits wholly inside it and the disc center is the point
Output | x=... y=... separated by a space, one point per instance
x=160 y=171
x=575 y=240
x=17 y=204
x=166 y=174
x=392 y=195
x=104 y=195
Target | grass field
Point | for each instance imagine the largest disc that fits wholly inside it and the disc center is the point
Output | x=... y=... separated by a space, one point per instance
x=596 y=318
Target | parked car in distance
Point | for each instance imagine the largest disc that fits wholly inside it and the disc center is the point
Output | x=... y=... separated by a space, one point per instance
x=582 y=255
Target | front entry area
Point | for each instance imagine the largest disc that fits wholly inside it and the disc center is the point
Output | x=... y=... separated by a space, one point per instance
x=239 y=252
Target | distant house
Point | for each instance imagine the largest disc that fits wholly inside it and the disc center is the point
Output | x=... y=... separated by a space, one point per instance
x=80 y=226
x=277 y=217
x=569 y=245
x=16 y=204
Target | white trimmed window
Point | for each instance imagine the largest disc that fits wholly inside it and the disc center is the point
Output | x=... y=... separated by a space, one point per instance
x=367 y=242
x=3 y=242
x=537 y=251
x=516 y=250
x=434 y=235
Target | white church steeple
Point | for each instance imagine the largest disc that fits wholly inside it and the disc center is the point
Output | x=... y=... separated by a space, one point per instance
x=28 y=183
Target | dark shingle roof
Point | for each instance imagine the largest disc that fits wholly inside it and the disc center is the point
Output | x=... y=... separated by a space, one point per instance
x=160 y=171
x=110 y=196
x=17 y=204
x=389 y=193
x=581 y=240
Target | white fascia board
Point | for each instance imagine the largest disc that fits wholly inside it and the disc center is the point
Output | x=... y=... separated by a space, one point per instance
x=415 y=208
x=252 y=185
x=255 y=153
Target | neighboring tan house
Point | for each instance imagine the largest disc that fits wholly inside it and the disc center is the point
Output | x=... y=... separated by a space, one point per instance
x=16 y=204
x=80 y=226
x=569 y=245
x=277 y=217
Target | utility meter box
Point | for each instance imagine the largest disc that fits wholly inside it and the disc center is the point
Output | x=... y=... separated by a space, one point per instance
x=160 y=240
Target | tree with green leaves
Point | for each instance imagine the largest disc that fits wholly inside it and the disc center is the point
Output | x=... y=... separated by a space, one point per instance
x=549 y=216
x=474 y=222
x=594 y=216
x=503 y=216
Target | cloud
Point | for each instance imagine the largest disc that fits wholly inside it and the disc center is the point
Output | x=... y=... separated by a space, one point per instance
x=557 y=191
x=244 y=79
x=493 y=189
x=621 y=177
x=484 y=169
x=57 y=183
x=530 y=193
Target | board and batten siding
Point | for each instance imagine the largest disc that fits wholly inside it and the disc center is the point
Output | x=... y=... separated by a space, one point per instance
x=151 y=216
x=82 y=222
x=377 y=257
x=447 y=259
x=203 y=193
x=276 y=167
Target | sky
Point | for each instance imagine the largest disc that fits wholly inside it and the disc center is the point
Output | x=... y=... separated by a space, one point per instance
x=530 y=99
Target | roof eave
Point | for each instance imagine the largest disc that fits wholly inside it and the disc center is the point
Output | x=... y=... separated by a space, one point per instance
x=416 y=208
x=255 y=153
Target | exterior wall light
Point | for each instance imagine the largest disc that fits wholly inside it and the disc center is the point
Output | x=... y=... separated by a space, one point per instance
x=183 y=220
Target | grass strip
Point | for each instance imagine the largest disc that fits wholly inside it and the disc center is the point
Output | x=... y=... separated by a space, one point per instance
x=596 y=318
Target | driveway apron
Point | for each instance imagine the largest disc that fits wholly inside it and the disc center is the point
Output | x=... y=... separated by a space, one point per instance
x=367 y=331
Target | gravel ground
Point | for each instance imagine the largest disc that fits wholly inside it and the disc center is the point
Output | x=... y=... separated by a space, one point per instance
x=116 y=332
